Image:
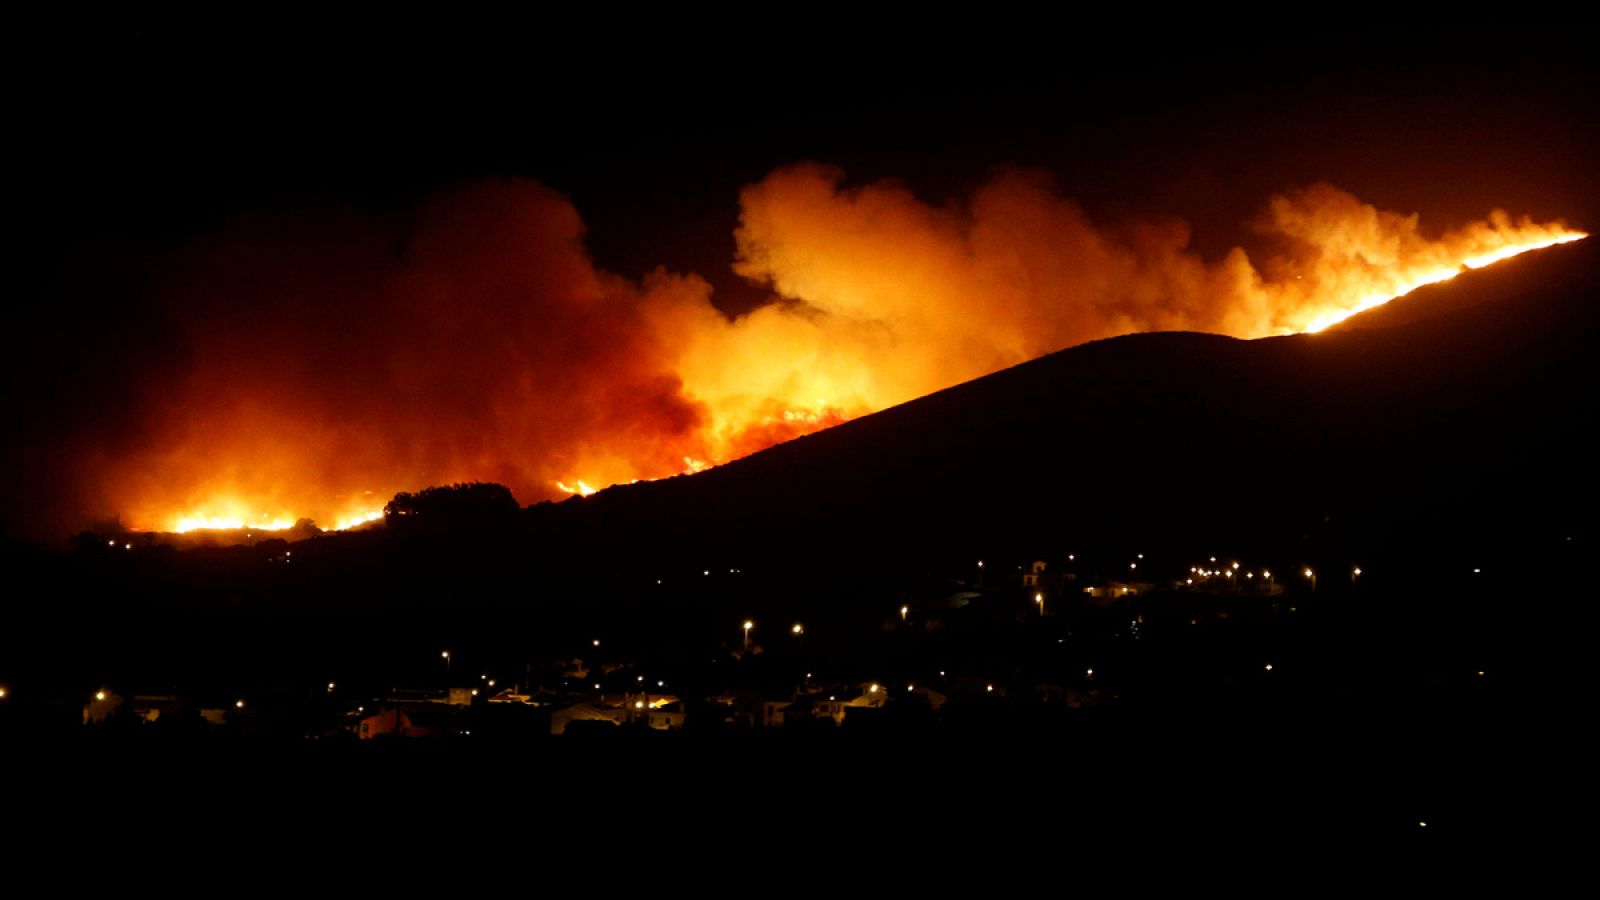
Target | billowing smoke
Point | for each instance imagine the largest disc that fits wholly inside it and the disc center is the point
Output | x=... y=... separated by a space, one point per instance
x=316 y=366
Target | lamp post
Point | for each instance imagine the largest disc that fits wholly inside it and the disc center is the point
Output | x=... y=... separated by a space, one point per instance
x=445 y=655
x=747 y=626
x=1313 y=576
x=1039 y=599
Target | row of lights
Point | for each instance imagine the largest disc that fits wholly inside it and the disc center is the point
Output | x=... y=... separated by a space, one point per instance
x=101 y=695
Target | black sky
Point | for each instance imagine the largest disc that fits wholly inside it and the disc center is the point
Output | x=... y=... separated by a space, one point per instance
x=144 y=131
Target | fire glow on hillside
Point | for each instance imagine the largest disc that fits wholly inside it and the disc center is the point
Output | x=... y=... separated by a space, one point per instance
x=490 y=348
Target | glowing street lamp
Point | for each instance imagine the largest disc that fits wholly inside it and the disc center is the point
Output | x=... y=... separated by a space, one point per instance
x=904 y=611
x=1354 y=574
x=1313 y=576
x=1039 y=599
x=747 y=626
x=797 y=630
x=445 y=655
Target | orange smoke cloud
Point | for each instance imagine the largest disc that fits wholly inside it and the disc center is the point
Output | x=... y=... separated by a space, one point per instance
x=477 y=341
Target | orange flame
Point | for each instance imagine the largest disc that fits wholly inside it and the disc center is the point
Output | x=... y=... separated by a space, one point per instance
x=579 y=488
x=496 y=351
x=1398 y=284
x=187 y=524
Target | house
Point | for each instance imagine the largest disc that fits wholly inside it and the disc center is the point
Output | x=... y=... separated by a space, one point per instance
x=408 y=720
x=1035 y=573
x=586 y=712
x=1114 y=590
x=935 y=699
x=667 y=717
x=772 y=712
x=150 y=707
x=101 y=706
x=869 y=696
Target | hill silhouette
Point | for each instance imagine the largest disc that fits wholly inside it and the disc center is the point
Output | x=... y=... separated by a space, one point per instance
x=1463 y=409
x=1462 y=432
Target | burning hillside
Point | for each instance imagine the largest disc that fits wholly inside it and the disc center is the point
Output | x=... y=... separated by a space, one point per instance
x=315 y=368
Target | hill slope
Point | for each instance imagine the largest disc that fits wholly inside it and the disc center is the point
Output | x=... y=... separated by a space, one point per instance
x=1466 y=405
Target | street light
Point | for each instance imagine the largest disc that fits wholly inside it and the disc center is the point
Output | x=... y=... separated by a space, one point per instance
x=904 y=611
x=798 y=629
x=747 y=626
x=1313 y=576
x=445 y=655
x=1039 y=599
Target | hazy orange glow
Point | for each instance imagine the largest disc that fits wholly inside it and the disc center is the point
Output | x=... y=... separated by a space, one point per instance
x=490 y=348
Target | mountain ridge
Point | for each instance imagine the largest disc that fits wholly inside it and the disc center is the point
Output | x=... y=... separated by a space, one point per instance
x=1385 y=391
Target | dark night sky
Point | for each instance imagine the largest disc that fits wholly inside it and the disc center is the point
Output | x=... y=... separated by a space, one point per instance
x=152 y=130
x=133 y=136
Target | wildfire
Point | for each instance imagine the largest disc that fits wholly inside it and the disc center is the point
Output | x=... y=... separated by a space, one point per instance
x=264 y=522
x=494 y=350
x=225 y=523
x=355 y=521
x=1411 y=281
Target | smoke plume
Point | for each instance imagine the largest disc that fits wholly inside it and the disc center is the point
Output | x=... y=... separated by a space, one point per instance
x=312 y=366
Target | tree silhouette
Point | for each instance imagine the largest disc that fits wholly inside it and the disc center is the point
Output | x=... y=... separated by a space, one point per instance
x=452 y=507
